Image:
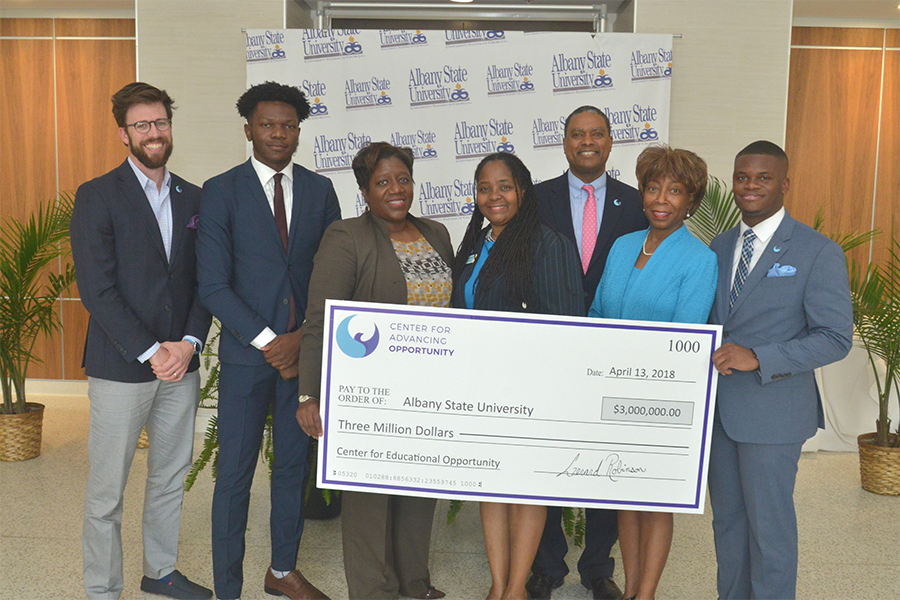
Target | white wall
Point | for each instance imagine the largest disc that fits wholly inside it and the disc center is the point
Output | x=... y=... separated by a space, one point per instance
x=730 y=73
x=195 y=50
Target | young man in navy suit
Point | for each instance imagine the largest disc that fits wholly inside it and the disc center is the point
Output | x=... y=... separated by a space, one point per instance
x=133 y=233
x=783 y=300
x=260 y=226
x=592 y=210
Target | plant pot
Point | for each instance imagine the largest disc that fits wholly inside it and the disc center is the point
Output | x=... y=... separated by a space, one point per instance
x=20 y=435
x=879 y=467
x=317 y=510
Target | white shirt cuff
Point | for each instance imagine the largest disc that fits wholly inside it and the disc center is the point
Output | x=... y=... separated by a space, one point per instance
x=266 y=336
x=150 y=352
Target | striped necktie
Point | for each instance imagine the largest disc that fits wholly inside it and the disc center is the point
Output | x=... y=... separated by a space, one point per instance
x=743 y=266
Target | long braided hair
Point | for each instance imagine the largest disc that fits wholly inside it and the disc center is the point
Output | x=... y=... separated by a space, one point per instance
x=512 y=256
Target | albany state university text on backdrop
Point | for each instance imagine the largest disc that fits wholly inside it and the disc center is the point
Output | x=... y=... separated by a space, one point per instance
x=456 y=96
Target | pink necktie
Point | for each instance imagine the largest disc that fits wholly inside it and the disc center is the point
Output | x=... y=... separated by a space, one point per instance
x=588 y=227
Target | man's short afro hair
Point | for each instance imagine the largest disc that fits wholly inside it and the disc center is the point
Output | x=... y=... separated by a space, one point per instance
x=271 y=91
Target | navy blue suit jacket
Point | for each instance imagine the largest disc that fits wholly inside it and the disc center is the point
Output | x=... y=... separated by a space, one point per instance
x=623 y=212
x=246 y=279
x=134 y=295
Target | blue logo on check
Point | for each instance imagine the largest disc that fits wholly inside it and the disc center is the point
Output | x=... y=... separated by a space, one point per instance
x=353 y=345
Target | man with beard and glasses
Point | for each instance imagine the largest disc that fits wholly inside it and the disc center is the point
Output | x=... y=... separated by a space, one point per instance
x=133 y=235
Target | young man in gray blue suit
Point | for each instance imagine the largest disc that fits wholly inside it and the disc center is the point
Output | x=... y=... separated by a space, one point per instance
x=260 y=226
x=783 y=300
x=133 y=233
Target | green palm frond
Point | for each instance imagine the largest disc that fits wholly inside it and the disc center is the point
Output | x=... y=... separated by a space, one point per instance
x=28 y=294
x=847 y=241
x=716 y=214
x=875 y=291
x=209 y=452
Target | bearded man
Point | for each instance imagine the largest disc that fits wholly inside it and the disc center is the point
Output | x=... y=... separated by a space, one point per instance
x=133 y=234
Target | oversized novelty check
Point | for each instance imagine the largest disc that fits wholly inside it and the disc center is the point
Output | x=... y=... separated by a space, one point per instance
x=509 y=407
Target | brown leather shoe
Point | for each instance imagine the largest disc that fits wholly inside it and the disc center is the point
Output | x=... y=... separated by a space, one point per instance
x=293 y=585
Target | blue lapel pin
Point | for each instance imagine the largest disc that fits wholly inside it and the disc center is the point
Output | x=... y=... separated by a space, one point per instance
x=617 y=202
x=776 y=249
x=178 y=188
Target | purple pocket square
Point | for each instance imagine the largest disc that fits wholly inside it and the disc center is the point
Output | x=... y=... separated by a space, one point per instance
x=781 y=271
x=194 y=222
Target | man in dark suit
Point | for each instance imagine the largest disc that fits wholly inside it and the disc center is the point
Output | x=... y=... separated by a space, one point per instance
x=133 y=234
x=783 y=300
x=260 y=226
x=593 y=210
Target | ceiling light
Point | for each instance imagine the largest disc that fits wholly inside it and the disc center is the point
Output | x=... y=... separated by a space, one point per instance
x=461 y=1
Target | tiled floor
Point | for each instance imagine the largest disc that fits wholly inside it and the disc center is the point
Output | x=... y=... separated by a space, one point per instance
x=849 y=539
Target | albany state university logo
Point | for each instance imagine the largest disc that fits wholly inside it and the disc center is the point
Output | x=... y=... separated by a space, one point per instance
x=476 y=140
x=463 y=38
x=547 y=133
x=320 y=44
x=633 y=126
x=353 y=345
x=336 y=153
x=440 y=200
x=422 y=142
x=400 y=38
x=581 y=73
x=650 y=66
x=368 y=93
x=317 y=91
x=265 y=46
x=445 y=85
x=509 y=79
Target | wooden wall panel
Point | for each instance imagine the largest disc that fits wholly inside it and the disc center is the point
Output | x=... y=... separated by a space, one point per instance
x=831 y=136
x=49 y=350
x=27 y=150
x=89 y=72
x=75 y=324
x=893 y=38
x=26 y=27
x=95 y=27
x=887 y=203
x=836 y=36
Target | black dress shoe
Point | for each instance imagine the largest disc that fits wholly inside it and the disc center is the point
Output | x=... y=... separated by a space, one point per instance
x=176 y=585
x=540 y=586
x=603 y=588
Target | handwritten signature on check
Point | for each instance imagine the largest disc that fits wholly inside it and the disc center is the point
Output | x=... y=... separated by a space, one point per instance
x=612 y=467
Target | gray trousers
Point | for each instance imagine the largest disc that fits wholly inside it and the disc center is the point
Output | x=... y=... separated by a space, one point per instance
x=118 y=413
x=751 y=490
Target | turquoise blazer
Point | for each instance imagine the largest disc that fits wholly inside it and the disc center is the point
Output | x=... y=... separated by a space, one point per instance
x=678 y=283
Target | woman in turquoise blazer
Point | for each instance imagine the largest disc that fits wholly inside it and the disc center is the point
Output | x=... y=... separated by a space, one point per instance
x=661 y=274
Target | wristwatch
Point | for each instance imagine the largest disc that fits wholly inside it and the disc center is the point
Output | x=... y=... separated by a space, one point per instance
x=198 y=347
x=306 y=398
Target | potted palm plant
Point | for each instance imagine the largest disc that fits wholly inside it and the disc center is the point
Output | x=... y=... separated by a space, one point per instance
x=876 y=314
x=28 y=295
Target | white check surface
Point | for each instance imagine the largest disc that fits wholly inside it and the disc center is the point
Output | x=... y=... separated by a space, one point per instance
x=508 y=407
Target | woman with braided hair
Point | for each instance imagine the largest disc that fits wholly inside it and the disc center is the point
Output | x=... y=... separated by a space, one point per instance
x=514 y=264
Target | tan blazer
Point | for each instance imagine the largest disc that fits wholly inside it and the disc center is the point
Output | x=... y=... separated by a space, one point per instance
x=356 y=261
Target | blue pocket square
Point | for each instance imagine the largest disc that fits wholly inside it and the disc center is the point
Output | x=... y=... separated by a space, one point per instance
x=778 y=271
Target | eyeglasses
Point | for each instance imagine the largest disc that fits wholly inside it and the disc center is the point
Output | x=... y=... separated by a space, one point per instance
x=144 y=126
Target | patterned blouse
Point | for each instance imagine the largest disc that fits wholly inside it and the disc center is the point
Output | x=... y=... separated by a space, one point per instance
x=428 y=278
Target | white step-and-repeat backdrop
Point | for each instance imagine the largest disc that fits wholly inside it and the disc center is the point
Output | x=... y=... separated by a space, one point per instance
x=456 y=96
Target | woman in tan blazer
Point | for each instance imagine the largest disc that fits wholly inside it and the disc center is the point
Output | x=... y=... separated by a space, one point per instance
x=385 y=255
